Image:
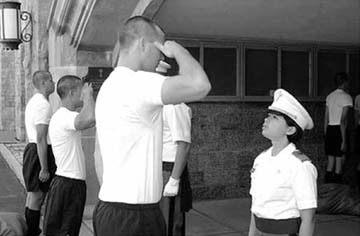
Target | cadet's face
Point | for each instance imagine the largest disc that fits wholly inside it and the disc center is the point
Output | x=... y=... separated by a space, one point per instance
x=50 y=85
x=77 y=96
x=274 y=127
x=153 y=56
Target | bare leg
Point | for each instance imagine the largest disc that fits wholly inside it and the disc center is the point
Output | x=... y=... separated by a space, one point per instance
x=34 y=200
x=339 y=164
x=330 y=163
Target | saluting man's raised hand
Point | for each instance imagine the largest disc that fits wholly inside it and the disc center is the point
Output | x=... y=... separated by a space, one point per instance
x=87 y=90
x=170 y=48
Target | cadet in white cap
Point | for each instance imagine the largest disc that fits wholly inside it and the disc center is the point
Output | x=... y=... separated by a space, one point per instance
x=283 y=180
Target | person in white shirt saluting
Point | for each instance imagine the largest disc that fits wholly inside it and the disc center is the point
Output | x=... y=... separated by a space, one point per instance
x=67 y=194
x=129 y=128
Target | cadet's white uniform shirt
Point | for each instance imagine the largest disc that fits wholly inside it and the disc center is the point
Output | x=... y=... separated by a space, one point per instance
x=177 y=127
x=357 y=105
x=336 y=101
x=129 y=126
x=282 y=185
x=66 y=145
x=37 y=111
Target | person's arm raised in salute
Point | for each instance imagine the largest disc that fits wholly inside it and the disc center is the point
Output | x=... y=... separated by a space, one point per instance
x=86 y=117
x=190 y=84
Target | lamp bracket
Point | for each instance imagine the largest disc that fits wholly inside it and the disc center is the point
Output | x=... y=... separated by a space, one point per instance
x=26 y=36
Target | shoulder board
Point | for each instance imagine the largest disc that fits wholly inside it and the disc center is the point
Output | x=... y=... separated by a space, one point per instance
x=301 y=156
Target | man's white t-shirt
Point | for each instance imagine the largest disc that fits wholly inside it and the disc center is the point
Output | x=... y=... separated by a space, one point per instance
x=177 y=127
x=128 y=115
x=336 y=101
x=38 y=111
x=66 y=145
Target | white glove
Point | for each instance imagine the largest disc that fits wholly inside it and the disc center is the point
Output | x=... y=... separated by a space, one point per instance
x=172 y=187
x=162 y=67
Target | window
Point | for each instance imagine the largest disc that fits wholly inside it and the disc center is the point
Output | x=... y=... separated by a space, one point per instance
x=220 y=66
x=354 y=72
x=260 y=71
x=295 y=72
x=252 y=71
x=329 y=63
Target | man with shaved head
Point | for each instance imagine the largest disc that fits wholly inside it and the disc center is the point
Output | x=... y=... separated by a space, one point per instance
x=67 y=194
x=38 y=165
x=129 y=128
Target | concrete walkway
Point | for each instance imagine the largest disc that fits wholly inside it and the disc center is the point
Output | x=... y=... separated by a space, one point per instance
x=228 y=217
x=12 y=193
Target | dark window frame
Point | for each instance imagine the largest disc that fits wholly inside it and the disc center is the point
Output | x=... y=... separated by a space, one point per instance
x=241 y=45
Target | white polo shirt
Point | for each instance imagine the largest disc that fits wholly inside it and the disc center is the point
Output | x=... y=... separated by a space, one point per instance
x=66 y=145
x=129 y=126
x=336 y=101
x=282 y=185
x=37 y=111
x=177 y=127
x=357 y=105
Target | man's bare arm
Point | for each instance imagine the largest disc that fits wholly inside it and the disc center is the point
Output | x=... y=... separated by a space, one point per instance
x=192 y=82
x=182 y=153
x=42 y=145
x=86 y=117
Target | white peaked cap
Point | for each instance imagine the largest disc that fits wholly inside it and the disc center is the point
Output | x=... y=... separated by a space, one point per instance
x=286 y=104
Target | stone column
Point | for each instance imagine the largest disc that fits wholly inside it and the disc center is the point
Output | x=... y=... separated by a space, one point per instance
x=1 y=96
x=19 y=96
x=7 y=94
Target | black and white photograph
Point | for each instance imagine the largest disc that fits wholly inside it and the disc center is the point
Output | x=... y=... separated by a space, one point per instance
x=180 y=117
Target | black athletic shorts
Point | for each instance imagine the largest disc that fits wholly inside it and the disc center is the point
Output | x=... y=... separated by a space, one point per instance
x=31 y=169
x=64 y=207
x=333 y=141
x=118 y=219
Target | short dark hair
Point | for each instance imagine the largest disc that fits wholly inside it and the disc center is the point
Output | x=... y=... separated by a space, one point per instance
x=137 y=27
x=295 y=137
x=66 y=84
x=341 y=78
x=40 y=76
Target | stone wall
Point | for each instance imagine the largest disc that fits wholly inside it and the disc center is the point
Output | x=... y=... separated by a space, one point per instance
x=226 y=137
x=17 y=67
x=7 y=81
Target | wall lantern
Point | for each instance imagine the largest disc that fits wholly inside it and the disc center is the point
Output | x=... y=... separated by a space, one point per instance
x=11 y=34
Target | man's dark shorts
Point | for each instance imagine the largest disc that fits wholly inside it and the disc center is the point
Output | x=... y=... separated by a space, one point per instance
x=112 y=218
x=65 y=206
x=333 y=141
x=31 y=169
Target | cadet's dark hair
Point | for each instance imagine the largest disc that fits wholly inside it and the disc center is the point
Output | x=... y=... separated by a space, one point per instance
x=295 y=137
x=138 y=27
x=66 y=84
x=341 y=78
x=40 y=76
